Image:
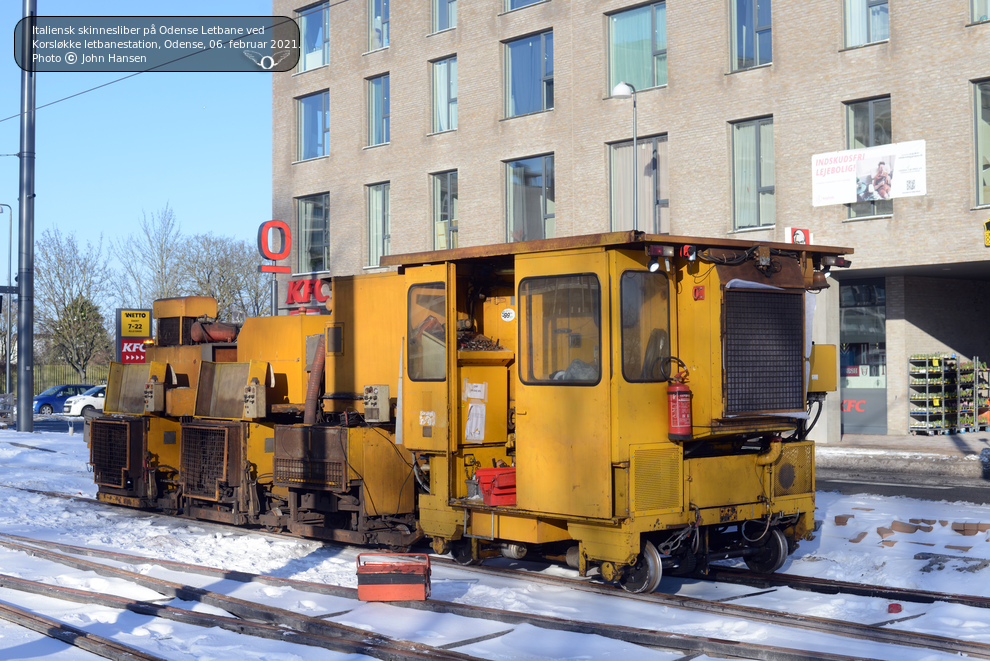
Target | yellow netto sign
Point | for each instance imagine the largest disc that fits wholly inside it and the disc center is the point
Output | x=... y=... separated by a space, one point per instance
x=135 y=323
x=986 y=234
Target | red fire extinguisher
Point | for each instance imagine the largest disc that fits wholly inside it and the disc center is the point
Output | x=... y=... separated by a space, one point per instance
x=679 y=405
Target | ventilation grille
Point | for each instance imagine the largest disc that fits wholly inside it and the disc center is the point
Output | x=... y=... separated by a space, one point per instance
x=657 y=479
x=317 y=474
x=764 y=357
x=109 y=443
x=204 y=461
x=173 y=331
x=793 y=471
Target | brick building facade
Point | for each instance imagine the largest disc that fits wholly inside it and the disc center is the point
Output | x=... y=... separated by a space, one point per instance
x=398 y=104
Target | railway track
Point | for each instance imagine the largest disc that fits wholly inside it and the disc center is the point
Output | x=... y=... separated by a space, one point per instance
x=278 y=623
x=644 y=637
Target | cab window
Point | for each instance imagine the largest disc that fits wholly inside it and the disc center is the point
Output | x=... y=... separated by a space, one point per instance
x=427 y=332
x=645 y=326
x=561 y=330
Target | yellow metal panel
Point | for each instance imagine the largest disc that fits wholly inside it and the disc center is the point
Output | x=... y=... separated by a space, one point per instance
x=180 y=402
x=281 y=341
x=185 y=306
x=163 y=441
x=656 y=478
x=425 y=406
x=562 y=431
x=390 y=487
x=483 y=404
x=640 y=409
x=723 y=481
x=125 y=386
x=484 y=523
x=823 y=368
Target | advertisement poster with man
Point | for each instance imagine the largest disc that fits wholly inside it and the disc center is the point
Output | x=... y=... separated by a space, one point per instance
x=864 y=175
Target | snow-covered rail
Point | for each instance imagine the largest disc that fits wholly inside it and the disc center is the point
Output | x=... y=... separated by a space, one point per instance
x=345 y=638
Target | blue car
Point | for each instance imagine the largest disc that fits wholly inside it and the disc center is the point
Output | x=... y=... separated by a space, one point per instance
x=54 y=398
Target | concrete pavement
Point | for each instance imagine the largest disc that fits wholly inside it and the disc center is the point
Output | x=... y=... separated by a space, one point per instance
x=942 y=455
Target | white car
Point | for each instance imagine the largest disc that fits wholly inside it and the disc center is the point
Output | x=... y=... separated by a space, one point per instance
x=88 y=401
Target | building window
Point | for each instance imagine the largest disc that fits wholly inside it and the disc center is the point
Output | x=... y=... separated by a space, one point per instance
x=529 y=74
x=981 y=11
x=751 y=40
x=377 y=24
x=378 y=223
x=444 y=14
x=638 y=47
x=313 y=26
x=866 y=22
x=313 y=123
x=653 y=210
x=516 y=4
x=560 y=324
x=869 y=126
x=529 y=200
x=445 y=95
x=378 y=111
x=445 y=210
x=314 y=242
x=752 y=173
x=983 y=143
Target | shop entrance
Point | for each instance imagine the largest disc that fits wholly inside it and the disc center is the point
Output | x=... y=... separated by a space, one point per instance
x=863 y=356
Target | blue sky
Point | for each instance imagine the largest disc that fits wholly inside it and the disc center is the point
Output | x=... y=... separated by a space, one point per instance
x=200 y=142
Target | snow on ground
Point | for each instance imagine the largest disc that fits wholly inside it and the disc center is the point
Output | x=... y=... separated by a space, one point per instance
x=857 y=542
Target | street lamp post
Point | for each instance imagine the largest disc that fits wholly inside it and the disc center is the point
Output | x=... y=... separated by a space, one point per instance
x=627 y=91
x=10 y=292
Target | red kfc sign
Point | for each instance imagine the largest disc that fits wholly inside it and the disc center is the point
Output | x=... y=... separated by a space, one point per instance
x=131 y=351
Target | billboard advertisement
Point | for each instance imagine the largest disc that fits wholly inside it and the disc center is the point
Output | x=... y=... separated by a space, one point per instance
x=862 y=175
x=133 y=329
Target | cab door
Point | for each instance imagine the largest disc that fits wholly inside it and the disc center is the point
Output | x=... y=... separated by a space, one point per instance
x=562 y=404
x=426 y=359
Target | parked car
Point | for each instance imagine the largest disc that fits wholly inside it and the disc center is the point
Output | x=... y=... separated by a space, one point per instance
x=90 y=400
x=54 y=398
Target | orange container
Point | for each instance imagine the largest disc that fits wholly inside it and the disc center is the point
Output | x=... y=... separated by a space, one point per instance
x=498 y=485
x=393 y=576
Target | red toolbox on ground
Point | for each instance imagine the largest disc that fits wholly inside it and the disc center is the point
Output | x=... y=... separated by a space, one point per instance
x=393 y=576
x=498 y=485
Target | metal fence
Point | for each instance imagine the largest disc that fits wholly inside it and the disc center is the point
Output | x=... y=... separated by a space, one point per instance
x=46 y=376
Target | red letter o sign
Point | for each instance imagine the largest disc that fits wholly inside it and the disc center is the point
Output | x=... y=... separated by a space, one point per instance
x=285 y=238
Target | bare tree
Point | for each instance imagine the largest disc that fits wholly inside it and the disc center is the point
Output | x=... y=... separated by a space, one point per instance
x=71 y=285
x=151 y=263
x=227 y=269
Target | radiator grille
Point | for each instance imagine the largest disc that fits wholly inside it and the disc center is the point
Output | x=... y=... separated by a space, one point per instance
x=204 y=461
x=657 y=479
x=173 y=331
x=764 y=351
x=318 y=474
x=109 y=443
x=793 y=471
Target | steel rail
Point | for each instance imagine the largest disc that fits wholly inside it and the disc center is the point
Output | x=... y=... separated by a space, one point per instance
x=823 y=586
x=638 y=636
x=825 y=625
x=375 y=645
x=628 y=634
x=233 y=624
x=108 y=649
x=820 y=624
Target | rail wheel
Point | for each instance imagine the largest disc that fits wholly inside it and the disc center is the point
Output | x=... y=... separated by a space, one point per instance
x=644 y=576
x=461 y=552
x=771 y=555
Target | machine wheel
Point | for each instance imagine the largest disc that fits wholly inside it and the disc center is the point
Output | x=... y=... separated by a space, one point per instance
x=771 y=555
x=644 y=576
x=461 y=552
x=46 y=409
